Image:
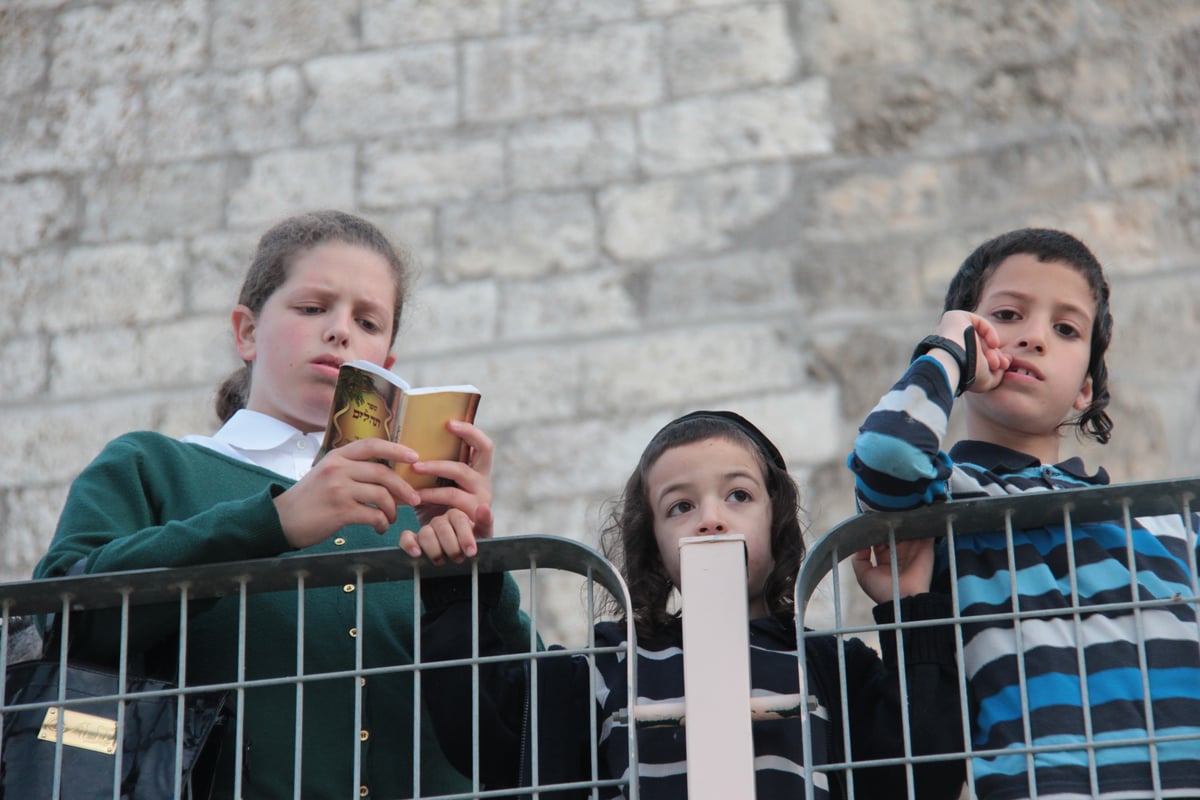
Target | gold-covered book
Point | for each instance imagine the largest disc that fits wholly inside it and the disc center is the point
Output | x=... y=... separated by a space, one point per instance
x=371 y=401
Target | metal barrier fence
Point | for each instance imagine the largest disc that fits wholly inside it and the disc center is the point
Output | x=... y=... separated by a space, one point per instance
x=356 y=572
x=1162 y=510
x=184 y=592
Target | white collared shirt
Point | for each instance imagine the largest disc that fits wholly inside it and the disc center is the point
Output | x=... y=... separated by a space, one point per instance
x=264 y=441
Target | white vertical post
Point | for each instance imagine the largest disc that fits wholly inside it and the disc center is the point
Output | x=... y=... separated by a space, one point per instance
x=716 y=667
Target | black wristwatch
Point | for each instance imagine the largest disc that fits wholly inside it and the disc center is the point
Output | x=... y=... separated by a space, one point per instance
x=964 y=357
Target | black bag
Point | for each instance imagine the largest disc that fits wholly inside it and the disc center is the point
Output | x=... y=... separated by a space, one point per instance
x=148 y=761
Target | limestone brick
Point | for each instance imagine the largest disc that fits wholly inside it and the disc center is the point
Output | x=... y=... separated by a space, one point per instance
x=898 y=197
x=1152 y=156
x=29 y=526
x=391 y=22
x=261 y=108
x=728 y=48
x=675 y=216
x=432 y=169
x=195 y=116
x=37 y=210
x=571 y=152
x=71 y=130
x=530 y=235
x=287 y=181
x=530 y=384
x=1004 y=33
x=614 y=66
x=50 y=443
x=583 y=456
x=24 y=41
x=570 y=14
x=363 y=95
x=719 y=288
x=1121 y=231
x=681 y=365
x=1173 y=304
x=872 y=277
x=855 y=33
x=186 y=412
x=152 y=203
x=183 y=117
x=197 y=351
x=665 y=7
x=446 y=318
x=97 y=286
x=597 y=301
x=217 y=266
x=130 y=40
x=804 y=424
x=767 y=124
x=883 y=110
x=413 y=232
x=23 y=367
x=265 y=34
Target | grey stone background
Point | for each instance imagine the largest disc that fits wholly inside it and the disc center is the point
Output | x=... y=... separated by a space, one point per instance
x=621 y=209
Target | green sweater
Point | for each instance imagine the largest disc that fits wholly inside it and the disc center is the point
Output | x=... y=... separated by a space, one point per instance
x=151 y=501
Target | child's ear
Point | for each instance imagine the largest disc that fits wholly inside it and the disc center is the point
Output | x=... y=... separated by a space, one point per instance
x=1084 y=399
x=244 y=327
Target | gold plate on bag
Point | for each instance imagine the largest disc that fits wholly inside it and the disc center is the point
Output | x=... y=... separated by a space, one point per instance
x=86 y=731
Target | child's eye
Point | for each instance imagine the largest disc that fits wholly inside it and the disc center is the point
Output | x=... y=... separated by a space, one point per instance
x=1006 y=315
x=1067 y=330
x=682 y=507
x=740 y=496
x=310 y=310
x=369 y=326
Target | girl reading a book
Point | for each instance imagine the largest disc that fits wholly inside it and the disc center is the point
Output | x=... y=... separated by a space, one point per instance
x=324 y=288
x=706 y=473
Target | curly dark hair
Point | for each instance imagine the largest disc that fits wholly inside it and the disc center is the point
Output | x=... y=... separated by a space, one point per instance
x=278 y=249
x=628 y=537
x=1048 y=246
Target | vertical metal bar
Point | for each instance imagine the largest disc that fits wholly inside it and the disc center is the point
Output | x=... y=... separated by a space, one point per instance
x=180 y=699
x=806 y=713
x=5 y=623
x=901 y=668
x=416 y=689
x=631 y=740
x=839 y=624
x=1080 y=652
x=593 y=726
x=960 y=655
x=240 y=717
x=63 y=639
x=476 y=782
x=1143 y=665
x=122 y=683
x=716 y=667
x=358 y=687
x=298 y=735
x=534 y=695
x=1019 y=647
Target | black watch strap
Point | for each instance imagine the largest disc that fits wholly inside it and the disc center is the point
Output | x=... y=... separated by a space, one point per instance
x=964 y=357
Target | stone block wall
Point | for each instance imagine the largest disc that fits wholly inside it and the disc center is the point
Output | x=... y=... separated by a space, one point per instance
x=621 y=210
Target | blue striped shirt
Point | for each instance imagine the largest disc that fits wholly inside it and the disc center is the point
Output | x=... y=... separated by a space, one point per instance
x=1086 y=681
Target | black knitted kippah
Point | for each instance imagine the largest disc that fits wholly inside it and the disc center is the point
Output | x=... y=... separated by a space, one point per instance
x=765 y=445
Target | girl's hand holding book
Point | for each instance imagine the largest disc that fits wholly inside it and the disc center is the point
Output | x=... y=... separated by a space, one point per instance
x=454 y=515
x=350 y=485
